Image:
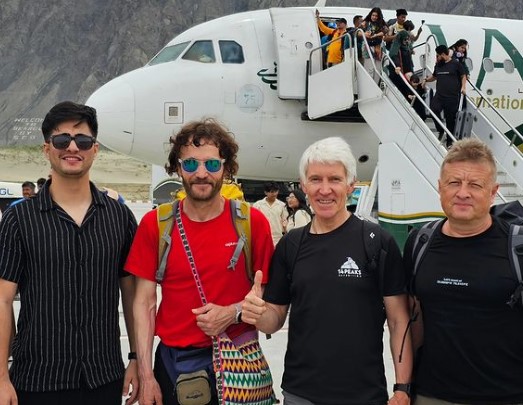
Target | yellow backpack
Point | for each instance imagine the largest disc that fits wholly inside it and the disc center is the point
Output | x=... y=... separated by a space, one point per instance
x=241 y=217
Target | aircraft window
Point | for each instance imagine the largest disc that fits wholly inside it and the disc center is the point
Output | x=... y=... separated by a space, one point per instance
x=231 y=52
x=469 y=64
x=169 y=54
x=488 y=65
x=508 y=65
x=201 y=51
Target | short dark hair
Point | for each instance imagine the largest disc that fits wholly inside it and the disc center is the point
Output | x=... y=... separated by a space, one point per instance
x=270 y=186
x=442 y=49
x=40 y=182
x=356 y=18
x=208 y=130
x=342 y=20
x=29 y=184
x=415 y=78
x=69 y=111
x=401 y=11
x=408 y=25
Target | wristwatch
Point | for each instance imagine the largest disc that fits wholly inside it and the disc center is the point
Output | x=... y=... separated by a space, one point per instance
x=238 y=316
x=132 y=356
x=402 y=387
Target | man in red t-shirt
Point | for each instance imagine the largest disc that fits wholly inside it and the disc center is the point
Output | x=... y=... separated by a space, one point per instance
x=203 y=154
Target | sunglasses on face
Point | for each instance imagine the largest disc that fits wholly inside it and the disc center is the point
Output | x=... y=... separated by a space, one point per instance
x=190 y=165
x=83 y=142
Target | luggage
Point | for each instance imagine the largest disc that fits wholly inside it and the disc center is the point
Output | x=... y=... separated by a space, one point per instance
x=464 y=121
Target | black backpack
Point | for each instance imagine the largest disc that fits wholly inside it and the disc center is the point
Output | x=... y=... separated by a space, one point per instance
x=512 y=214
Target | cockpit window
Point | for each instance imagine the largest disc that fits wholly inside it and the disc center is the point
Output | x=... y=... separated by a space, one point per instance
x=231 y=52
x=201 y=51
x=169 y=54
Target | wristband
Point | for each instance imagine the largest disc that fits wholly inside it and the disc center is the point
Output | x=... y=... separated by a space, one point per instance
x=238 y=315
x=402 y=387
x=132 y=356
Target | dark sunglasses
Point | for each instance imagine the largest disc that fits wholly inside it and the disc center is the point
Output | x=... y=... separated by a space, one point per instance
x=83 y=142
x=190 y=165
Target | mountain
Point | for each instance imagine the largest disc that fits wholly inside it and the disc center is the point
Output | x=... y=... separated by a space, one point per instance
x=58 y=50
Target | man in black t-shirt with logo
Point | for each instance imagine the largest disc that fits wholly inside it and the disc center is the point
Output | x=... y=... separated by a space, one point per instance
x=451 y=83
x=335 y=294
x=470 y=338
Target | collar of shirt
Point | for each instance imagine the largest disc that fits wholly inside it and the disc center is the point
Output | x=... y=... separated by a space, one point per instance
x=46 y=203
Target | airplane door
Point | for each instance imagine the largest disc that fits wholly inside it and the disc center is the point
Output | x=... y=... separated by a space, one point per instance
x=296 y=34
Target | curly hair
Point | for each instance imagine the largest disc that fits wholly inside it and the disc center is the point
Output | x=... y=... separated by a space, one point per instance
x=209 y=131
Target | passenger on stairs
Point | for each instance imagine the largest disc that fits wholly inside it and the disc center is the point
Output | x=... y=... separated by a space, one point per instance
x=401 y=54
x=356 y=39
x=458 y=51
x=336 y=48
x=375 y=28
x=420 y=89
x=451 y=83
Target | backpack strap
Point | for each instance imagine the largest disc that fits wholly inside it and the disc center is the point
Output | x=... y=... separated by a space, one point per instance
x=422 y=241
x=294 y=238
x=371 y=235
x=165 y=218
x=241 y=217
x=515 y=246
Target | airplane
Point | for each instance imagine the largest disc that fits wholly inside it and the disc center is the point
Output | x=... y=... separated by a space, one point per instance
x=256 y=72
x=9 y=192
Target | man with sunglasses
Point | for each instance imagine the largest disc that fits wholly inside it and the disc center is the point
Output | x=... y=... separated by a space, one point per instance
x=203 y=154
x=64 y=250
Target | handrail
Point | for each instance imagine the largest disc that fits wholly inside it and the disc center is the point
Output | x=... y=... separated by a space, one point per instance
x=381 y=75
x=517 y=134
x=425 y=52
x=415 y=93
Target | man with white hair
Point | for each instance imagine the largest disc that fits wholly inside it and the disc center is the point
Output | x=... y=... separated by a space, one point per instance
x=337 y=291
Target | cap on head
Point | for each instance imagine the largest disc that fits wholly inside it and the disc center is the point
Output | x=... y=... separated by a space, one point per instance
x=341 y=20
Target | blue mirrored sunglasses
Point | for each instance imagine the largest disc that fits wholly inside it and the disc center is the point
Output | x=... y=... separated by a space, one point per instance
x=190 y=165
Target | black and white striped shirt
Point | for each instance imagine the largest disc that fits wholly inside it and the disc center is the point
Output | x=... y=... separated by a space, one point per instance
x=68 y=278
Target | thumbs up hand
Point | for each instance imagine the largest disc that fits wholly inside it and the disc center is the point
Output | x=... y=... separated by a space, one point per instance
x=254 y=306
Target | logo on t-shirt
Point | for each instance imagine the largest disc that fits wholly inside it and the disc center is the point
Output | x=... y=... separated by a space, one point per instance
x=349 y=269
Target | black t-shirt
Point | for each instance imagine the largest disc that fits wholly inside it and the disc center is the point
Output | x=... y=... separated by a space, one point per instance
x=473 y=341
x=448 y=77
x=335 y=348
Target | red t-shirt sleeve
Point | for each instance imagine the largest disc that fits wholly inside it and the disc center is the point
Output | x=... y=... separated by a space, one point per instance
x=142 y=260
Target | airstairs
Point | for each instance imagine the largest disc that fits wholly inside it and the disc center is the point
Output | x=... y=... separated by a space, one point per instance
x=410 y=153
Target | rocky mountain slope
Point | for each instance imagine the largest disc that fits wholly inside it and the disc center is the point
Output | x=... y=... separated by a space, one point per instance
x=64 y=49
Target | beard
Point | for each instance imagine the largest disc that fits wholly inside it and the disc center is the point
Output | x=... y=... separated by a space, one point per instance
x=206 y=195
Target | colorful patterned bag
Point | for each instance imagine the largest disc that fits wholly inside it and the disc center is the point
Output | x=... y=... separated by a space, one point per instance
x=243 y=376
x=242 y=373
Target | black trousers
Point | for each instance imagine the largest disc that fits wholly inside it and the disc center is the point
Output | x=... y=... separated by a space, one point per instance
x=449 y=107
x=108 y=394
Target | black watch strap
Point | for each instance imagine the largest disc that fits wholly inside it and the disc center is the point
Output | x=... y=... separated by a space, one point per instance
x=402 y=387
x=132 y=356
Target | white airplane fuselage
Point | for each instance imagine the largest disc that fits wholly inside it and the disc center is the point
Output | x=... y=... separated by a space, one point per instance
x=140 y=110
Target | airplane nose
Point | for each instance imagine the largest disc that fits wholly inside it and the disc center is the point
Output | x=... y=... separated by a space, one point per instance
x=114 y=104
